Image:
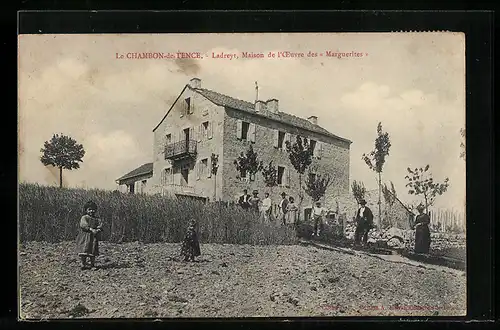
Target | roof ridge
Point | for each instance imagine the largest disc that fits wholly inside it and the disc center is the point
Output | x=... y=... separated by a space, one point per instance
x=210 y=90
x=281 y=115
x=286 y=113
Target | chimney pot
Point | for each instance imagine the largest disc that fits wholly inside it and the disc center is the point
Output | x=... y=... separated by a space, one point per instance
x=272 y=105
x=195 y=83
x=313 y=119
x=260 y=106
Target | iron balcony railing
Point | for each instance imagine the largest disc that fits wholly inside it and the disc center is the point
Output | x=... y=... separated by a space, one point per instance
x=181 y=149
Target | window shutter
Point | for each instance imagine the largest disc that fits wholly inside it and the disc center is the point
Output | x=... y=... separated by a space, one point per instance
x=276 y=138
x=251 y=132
x=181 y=136
x=209 y=168
x=191 y=133
x=182 y=107
x=198 y=169
x=171 y=181
x=287 y=178
x=191 y=105
x=238 y=129
x=200 y=133
x=210 y=133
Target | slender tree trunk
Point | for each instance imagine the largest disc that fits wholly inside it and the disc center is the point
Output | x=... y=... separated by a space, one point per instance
x=300 y=197
x=379 y=225
x=215 y=187
x=60 y=177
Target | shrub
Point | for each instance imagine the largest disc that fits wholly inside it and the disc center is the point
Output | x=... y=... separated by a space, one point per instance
x=52 y=214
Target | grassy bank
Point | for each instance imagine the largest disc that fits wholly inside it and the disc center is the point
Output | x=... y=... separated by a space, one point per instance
x=52 y=214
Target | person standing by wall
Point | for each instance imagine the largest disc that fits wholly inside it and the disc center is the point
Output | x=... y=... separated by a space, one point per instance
x=291 y=214
x=318 y=213
x=283 y=208
x=243 y=200
x=266 y=207
x=254 y=201
x=422 y=232
x=364 y=222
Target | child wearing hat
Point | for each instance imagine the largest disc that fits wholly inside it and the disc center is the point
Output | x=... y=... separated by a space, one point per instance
x=87 y=241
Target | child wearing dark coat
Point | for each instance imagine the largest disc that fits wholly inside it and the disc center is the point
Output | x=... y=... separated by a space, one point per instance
x=191 y=246
x=87 y=241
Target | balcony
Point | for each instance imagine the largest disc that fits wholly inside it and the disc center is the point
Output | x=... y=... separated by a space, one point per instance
x=180 y=150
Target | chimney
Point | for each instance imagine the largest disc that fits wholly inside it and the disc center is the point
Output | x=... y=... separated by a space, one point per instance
x=272 y=105
x=195 y=83
x=260 y=106
x=313 y=120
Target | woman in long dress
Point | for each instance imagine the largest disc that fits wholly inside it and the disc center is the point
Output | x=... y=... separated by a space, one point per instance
x=191 y=246
x=422 y=232
x=291 y=215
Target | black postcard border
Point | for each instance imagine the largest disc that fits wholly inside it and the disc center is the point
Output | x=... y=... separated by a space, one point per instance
x=478 y=27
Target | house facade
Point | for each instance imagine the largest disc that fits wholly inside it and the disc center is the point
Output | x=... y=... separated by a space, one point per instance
x=202 y=122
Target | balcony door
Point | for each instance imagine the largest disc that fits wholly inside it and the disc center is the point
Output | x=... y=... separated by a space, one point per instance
x=187 y=137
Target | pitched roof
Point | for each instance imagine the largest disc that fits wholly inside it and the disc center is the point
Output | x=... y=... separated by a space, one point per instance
x=141 y=170
x=230 y=102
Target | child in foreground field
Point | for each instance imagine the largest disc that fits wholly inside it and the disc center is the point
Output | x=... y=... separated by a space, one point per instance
x=191 y=246
x=87 y=241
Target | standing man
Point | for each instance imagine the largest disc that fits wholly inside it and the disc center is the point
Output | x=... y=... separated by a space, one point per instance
x=318 y=213
x=283 y=208
x=254 y=201
x=267 y=207
x=243 y=201
x=364 y=222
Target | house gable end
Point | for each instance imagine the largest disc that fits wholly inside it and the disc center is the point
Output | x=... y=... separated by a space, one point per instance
x=170 y=109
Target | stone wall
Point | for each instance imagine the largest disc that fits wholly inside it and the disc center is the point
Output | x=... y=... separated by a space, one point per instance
x=203 y=111
x=334 y=159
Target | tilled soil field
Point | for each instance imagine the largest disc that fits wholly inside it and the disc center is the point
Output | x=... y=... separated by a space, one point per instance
x=134 y=280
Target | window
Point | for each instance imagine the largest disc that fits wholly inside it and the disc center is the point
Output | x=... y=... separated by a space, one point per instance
x=168 y=138
x=281 y=139
x=244 y=130
x=186 y=106
x=202 y=169
x=281 y=177
x=166 y=176
x=312 y=146
x=205 y=130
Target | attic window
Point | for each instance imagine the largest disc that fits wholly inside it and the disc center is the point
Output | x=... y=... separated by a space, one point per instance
x=186 y=106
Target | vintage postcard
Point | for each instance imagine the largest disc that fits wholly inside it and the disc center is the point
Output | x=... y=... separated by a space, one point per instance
x=241 y=175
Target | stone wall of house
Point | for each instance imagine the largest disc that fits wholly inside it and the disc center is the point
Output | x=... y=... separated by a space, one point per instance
x=200 y=184
x=334 y=159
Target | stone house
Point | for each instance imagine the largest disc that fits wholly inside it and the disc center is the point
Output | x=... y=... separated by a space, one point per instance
x=202 y=122
x=136 y=181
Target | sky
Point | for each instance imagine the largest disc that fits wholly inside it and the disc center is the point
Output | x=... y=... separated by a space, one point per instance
x=413 y=83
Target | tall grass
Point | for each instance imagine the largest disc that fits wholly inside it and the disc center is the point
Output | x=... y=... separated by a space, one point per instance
x=52 y=214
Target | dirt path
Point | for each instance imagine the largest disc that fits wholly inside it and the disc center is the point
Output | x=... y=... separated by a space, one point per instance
x=138 y=280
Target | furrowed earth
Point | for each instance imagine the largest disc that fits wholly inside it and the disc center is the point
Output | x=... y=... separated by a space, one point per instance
x=135 y=280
